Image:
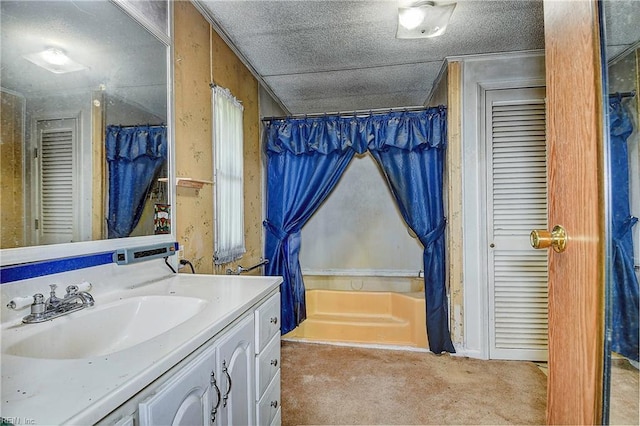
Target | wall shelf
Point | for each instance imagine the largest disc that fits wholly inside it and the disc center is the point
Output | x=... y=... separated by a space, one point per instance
x=189 y=182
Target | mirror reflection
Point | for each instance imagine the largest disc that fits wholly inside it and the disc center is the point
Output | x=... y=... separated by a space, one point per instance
x=623 y=55
x=84 y=135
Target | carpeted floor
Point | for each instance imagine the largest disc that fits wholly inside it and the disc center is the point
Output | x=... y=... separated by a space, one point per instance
x=339 y=385
x=625 y=394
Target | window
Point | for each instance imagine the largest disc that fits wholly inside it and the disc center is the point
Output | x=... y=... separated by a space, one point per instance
x=228 y=177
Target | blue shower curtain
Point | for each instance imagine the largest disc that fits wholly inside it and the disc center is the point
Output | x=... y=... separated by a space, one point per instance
x=410 y=149
x=624 y=284
x=135 y=156
x=307 y=157
x=305 y=160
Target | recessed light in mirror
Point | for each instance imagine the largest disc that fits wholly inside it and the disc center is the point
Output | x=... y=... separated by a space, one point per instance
x=54 y=60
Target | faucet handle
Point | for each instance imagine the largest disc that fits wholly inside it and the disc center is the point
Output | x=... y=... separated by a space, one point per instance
x=53 y=299
x=72 y=289
x=84 y=286
x=38 y=307
x=21 y=302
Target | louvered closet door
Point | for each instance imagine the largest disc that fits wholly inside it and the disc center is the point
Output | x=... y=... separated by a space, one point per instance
x=517 y=203
x=56 y=191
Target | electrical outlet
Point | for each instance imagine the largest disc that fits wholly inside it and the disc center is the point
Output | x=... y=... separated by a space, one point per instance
x=180 y=255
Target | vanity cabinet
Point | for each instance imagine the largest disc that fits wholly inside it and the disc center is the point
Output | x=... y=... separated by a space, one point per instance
x=235 y=380
x=219 y=366
x=267 y=325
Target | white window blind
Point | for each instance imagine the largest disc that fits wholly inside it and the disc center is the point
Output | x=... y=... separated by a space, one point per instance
x=228 y=176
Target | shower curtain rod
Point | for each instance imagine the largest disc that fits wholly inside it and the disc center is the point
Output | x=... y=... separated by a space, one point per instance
x=361 y=112
x=630 y=94
x=138 y=125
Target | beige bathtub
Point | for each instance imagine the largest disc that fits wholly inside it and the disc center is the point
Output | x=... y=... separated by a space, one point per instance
x=364 y=317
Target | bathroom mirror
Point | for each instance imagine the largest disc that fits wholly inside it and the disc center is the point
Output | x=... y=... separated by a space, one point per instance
x=71 y=71
x=622 y=56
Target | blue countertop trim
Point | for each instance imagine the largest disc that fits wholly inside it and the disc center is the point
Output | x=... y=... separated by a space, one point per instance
x=25 y=271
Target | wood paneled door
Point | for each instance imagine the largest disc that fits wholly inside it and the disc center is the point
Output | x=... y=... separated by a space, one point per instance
x=575 y=201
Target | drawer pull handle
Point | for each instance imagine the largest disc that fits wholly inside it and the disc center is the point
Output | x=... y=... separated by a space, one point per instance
x=274 y=362
x=225 y=370
x=214 y=410
x=274 y=404
x=274 y=320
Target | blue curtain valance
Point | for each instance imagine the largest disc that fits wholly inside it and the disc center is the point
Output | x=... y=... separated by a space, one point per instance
x=130 y=143
x=409 y=130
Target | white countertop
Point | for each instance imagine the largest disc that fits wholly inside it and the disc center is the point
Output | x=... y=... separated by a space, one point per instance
x=83 y=391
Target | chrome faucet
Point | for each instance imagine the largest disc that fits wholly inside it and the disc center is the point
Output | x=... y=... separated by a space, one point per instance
x=54 y=307
x=52 y=302
x=73 y=294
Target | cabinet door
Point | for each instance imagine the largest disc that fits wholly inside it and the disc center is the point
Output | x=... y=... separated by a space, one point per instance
x=236 y=367
x=185 y=399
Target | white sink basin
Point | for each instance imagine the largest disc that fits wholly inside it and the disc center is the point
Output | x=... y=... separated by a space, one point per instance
x=102 y=330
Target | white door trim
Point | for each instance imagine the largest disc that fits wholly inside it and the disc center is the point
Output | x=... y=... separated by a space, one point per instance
x=475 y=85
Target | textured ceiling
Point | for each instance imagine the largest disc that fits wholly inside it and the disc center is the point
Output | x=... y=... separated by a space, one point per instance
x=322 y=56
x=315 y=55
x=622 y=26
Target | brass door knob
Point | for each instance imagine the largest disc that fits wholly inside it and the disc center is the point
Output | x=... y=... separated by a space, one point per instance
x=542 y=239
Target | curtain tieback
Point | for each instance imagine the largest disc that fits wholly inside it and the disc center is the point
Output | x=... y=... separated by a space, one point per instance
x=432 y=236
x=277 y=232
x=625 y=227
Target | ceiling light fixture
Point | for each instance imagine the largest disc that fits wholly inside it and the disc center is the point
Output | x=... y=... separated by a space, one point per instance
x=410 y=17
x=424 y=19
x=54 y=60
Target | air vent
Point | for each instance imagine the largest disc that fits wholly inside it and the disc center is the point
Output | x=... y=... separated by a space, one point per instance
x=139 y=254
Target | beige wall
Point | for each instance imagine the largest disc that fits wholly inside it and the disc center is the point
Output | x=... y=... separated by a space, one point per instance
x=202 y=57
x=229 y=72
x=11 y=187
x=453 y=179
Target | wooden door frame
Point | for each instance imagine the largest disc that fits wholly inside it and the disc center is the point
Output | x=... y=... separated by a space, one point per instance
x=576 y=201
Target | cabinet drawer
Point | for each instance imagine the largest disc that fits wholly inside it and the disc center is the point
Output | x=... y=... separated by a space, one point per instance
x=267 y=321
x=126 y=421
x=267 y=365
x=269 y=404
x=277 y=420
